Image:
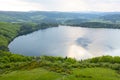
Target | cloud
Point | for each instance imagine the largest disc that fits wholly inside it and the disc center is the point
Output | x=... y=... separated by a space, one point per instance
x=60 y=5
x=18 y=5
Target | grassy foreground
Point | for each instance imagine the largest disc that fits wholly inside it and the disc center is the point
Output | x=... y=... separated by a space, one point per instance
x=78 y=74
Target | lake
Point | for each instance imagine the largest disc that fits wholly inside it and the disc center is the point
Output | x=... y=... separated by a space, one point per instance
x=75 y=42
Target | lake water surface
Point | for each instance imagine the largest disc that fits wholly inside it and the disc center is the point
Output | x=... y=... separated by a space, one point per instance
x=76 y=42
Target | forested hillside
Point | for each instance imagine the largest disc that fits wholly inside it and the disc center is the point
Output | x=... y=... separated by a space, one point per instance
x=115 y=18
x=8 y=31
x=42 y=16
x=96 y=25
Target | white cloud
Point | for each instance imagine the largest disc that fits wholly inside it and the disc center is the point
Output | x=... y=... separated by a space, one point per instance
x=60 y=5
x=18 y=5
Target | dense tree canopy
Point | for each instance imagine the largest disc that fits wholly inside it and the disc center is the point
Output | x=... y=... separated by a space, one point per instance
x=8 y=31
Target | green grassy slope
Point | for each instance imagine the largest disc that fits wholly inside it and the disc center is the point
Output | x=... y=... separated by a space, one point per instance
x=78 y=74
x=94 y=74
x=36 y=74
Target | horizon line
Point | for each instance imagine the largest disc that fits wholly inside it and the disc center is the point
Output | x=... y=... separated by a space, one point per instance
x=59 y=11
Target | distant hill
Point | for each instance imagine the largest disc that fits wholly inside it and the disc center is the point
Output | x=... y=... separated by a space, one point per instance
x=42 y=16
x=88 y=19
x=75 y=21
x=115 y=18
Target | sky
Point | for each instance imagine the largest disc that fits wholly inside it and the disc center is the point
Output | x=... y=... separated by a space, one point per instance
x=60 y=5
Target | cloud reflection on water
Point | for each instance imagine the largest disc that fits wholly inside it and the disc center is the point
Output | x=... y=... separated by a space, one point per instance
x=68 y=41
